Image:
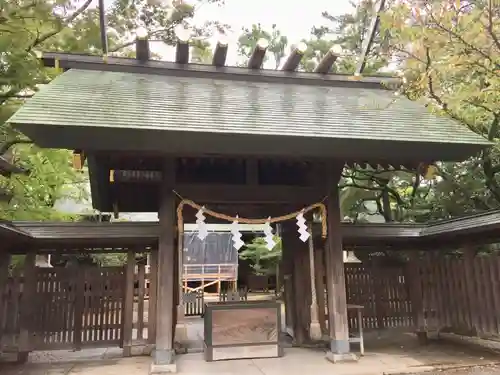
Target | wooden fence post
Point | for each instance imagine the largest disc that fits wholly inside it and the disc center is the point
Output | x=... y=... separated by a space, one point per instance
x=413 y=270
x=128 y=313
x=470 y=284
x=27 y=302
x=79 y=306
x=379 y=292
x=4 y=276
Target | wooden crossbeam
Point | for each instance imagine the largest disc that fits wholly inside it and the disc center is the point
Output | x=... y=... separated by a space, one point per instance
x=203 y=286
x=67 y=61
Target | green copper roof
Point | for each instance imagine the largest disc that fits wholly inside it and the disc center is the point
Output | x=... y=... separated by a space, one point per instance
x=116 y=100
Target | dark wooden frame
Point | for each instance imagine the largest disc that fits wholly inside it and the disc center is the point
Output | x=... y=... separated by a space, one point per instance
x=241 y=305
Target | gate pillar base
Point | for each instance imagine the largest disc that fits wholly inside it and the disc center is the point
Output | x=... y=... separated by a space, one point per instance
x=163 y=369
x=341 y=358
x=340 y=352
x=181 y=334
x=422 y=337
x=163 y=362
x=22 y=357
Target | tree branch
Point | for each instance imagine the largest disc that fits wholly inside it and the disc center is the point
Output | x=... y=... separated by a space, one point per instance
x=7 y=145
x=5 y=19
x=415 y=186
x=42 y=38
x=432 y=93
x=489 y=26
x=462 y=40
x=445 y=176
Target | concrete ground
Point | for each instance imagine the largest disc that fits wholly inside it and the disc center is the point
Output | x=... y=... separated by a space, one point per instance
x=386 y=354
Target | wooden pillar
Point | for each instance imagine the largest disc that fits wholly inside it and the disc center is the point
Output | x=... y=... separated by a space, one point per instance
x=164 y=356
x=300 y=303
x=315 y=327
x=337 y=301
x=4 y=275
x=128 y=313
x=288 y=295
x=180 y=274
x=153 y=296
x=413 y=270
x=27 y=304
x=320 y=287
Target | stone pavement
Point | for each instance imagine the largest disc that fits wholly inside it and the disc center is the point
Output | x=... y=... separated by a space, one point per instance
x=385 y=355
x=298 y=361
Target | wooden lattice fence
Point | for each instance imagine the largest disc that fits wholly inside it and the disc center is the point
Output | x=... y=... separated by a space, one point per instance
x=384 y=293
x=461 y=294
x=68 y=308
x=10 y=313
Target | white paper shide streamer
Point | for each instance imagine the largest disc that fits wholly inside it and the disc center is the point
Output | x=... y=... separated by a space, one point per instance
x=301 y=223
x=202 y=226
x=236 y=235
x=269 y=238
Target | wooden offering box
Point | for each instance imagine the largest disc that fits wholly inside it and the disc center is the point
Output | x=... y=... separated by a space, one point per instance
x=242 y=329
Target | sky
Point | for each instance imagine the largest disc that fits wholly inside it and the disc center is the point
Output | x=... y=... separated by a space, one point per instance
x=293 y=18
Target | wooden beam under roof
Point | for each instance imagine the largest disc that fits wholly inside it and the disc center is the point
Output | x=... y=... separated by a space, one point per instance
x=182 y=52
x=241 y=194
x=220 y=54
x=259 y=53
x=293 y=60
x=251 y=194
x=326 y=63
x=142 y=46
x=129 y=65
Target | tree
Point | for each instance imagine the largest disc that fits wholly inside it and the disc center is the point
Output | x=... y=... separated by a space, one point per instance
x=449 y=52
x=348 y=31
x=28 y=26
x=366 y=191
x=263 y=260
x=201 y=53
x=250 y=36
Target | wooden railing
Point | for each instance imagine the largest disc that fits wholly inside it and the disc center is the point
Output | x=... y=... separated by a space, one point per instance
x=192 y=272
x=210 y=271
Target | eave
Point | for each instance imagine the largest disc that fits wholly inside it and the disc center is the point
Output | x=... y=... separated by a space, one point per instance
x=13 y=238
x=471 y=230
